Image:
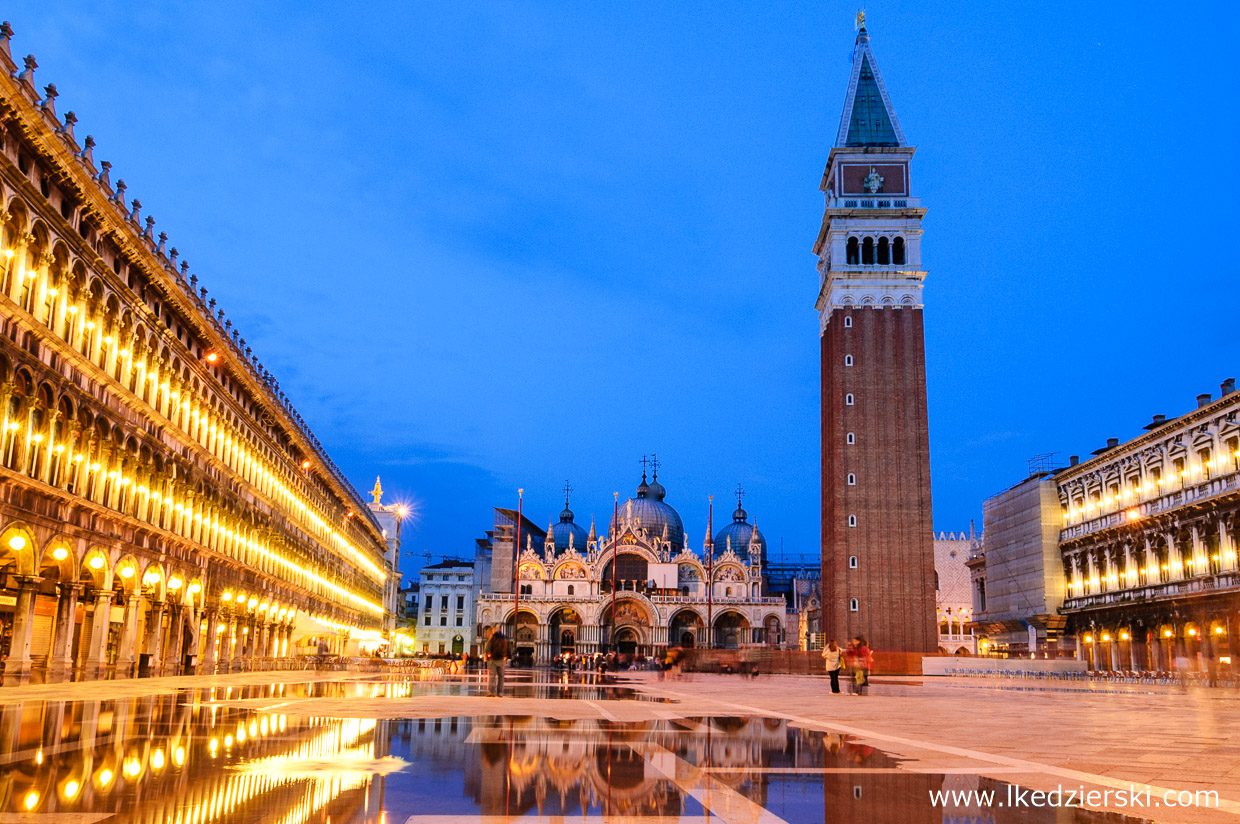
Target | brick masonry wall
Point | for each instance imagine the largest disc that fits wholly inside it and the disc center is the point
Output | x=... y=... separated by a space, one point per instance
x=893 y=538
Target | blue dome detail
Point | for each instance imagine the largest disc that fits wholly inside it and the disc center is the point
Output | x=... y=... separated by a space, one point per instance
x=652 y=514
x=566 y=527
x=740 y=531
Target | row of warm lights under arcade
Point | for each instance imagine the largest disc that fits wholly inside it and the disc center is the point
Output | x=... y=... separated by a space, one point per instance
x=1137 y=492
x=288 y=496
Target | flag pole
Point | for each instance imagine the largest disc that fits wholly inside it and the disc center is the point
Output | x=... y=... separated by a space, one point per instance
x=516 y=571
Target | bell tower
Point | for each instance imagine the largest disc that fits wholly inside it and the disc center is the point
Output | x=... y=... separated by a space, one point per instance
x=877 y=532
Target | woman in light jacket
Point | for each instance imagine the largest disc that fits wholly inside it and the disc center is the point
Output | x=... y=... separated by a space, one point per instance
x=832 y=655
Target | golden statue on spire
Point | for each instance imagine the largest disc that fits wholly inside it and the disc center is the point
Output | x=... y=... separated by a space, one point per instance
x=377 y=492
x=861 y=18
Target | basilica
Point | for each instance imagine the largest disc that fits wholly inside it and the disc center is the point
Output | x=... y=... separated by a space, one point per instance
x=636 y=590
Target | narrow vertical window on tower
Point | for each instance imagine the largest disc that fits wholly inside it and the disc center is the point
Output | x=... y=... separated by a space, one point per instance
x=853 y=563
x=852 y=479
x=850 y=438
x=884 y=256
x=853 y=605
x=847 y=322
x=853 y=256
x=852 y=520
x=897 y=251
x=848 y=361
x=848 y=399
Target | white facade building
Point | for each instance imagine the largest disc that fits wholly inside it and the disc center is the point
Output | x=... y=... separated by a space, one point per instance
x=446 y=611
x=953 y=591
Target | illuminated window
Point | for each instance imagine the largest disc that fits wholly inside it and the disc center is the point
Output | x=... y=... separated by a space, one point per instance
x=847 y=322
x=853 y=562
x=850 y=438
x=852 y=479
x=852 y=520
x=853 y=605
x=848 y=399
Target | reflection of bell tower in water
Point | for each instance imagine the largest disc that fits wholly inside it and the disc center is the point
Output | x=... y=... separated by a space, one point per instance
x=877 y=540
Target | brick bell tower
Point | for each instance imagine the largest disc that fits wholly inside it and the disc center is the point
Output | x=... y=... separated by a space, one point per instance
x=877 y=533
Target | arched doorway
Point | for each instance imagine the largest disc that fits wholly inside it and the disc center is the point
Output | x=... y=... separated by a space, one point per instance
x=684 y=629
x=565 y=630
x=626 y=641
x=730 y=630
x=524 y=638
x=458 y=645
x=772 y=631
x=630 y=627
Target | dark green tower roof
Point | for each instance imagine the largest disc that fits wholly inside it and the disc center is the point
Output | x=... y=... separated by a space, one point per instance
x=869 y=118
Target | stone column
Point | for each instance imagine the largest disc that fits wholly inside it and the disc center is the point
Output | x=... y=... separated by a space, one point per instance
x=155 y=634
x=260 y=639
x=210 y=653
x=176 y=635
x=61 y=656
x=242 y=639
x=97 y=648
x=129 y=635
x=18 y=662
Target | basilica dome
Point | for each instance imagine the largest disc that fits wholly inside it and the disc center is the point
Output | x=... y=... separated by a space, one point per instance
x=560 y=532
x=739 y=533
x=649 y=512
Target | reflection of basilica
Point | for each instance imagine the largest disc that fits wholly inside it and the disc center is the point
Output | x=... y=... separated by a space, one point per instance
x=665 y=593
x=518 y=765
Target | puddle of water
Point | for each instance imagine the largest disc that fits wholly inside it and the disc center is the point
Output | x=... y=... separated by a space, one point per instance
x=178 y=759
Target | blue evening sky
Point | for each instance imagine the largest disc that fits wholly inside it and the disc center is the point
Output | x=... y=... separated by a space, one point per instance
x=495 y=245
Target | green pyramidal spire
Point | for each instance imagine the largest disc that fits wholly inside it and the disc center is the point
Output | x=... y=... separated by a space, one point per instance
x=869 y=118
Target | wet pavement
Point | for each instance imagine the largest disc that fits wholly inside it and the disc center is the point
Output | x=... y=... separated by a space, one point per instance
x=557 y=750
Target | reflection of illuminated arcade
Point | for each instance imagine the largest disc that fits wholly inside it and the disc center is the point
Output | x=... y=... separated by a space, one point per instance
x=158 y=759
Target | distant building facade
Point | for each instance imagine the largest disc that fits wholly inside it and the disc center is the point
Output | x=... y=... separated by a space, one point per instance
x=952 y=592
x=448 y=597
x=800 y=585
x=636 y=590
x=877 y=533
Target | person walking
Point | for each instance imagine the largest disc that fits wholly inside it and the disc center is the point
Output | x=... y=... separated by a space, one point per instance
x=497 y=659
x=862 y=662
x=833 y=656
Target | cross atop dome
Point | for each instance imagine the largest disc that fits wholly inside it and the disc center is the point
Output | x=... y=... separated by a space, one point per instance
x=868 y=119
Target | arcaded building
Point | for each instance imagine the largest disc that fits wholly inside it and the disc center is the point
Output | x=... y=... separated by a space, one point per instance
x=1149 y=534
x=636 y=590
x=161 y=502
x=877 y=533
